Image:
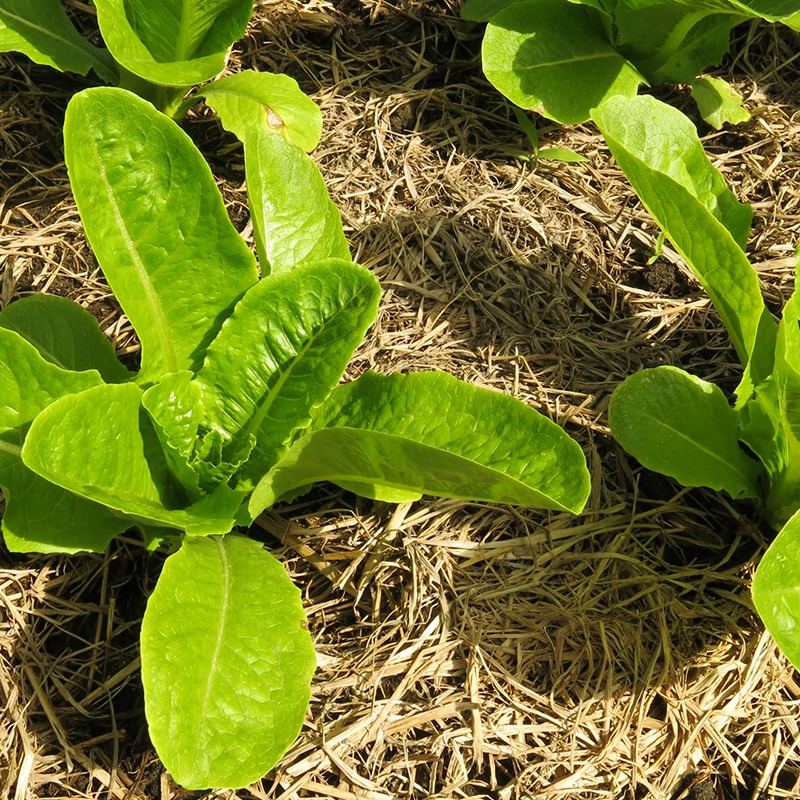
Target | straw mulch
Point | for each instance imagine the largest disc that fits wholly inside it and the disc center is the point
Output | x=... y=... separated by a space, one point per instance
x=465 y=650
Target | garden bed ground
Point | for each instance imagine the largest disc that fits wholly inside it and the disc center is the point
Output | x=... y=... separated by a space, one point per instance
x=465 y=650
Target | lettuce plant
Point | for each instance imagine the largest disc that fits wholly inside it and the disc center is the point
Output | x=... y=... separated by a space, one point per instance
x=235 y=407
x=564 y=57
x=681 y=425
x=160 y=50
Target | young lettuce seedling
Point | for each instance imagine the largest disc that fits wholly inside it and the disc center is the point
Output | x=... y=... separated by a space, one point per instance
x=160 y=50
x=681 y=425
x=236 y=407
x=540 y=153
x=564 y=57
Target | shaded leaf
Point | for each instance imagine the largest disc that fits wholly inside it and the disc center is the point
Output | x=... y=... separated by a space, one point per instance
x=554 y=57
x=761 y=428
x=674 y=40
x=39 y=516
x=719 y=103
x=681 y=426
x=784 y=11
x=64 y=334
x=41 y=30
x=783 y=499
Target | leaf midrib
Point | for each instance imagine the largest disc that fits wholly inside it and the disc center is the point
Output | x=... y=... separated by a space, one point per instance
x=268 y=400
x=562 y=61
x=182 y=40
x=221 y=626
x=11 y=449
x=744 y=478
x=151 y=296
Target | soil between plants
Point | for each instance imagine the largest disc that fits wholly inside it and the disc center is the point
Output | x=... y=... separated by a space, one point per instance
x=465 y=650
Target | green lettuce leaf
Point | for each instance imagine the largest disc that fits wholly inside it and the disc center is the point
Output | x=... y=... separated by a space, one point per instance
x=280 y=354
x=249 y=100
x=157 y=224
x=175 y=408
x=99 y=444
x=40 y=516
x=681 y=426
x=429 y=433
x=658 y=149
x=761 y=428
x=776 y=589
x=294 y=219
x=41 y=30
x=719 y=103
x=783 y=498
x=554 y=57
x=64 y=334
x=172 y=42
x=784 y=11
x=674 y=40
x=227 y=662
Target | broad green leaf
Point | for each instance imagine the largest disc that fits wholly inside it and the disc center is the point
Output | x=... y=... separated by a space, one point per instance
x=294 y=219
x=99 y=444
x=682 y=426
x=429 y=433
x=29 y=383
x=554 y=57
x=64 y=334
x=172 y=42
x=39 y=516
x=249 y=100
x=175 y=410
x=658 y=142
x=280 y=354
x=776 y=590
x=227 y=663
x=658 y=150
x=674 y=41
x=157 y=224
x=41 y=30
x=719 y=103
